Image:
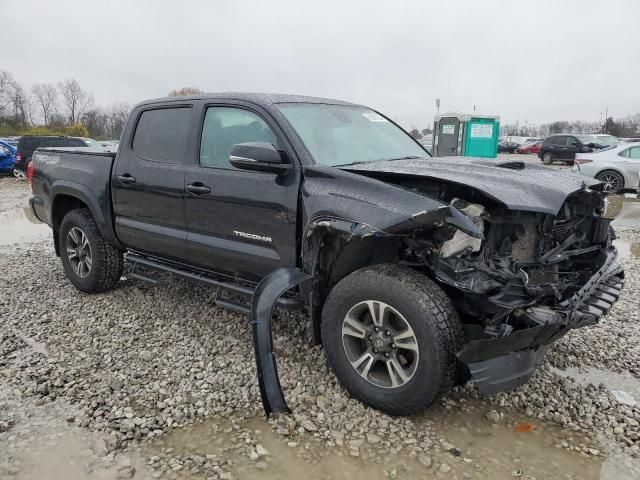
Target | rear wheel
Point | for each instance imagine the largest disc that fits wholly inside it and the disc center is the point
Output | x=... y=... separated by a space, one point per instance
x=612 y=181
x=391 y=335
x=90 y=263
x=20 y=174
x=547 y=159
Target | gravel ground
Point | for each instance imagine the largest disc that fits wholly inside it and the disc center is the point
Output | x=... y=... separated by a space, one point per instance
x=126 y=375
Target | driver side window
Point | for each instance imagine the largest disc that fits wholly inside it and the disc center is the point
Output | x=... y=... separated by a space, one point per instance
x=225 y=127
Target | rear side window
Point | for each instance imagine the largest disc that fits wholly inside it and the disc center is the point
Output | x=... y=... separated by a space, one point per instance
x=161 y=134
x=224 y=127
x=75 y=142
x=559 y=140
x=634 y=152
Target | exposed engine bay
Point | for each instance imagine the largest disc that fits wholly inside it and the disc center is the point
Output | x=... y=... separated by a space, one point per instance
x=528 y=271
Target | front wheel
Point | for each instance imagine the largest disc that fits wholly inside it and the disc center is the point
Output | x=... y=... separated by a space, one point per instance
x=391 y=335
x=547 y=159
x=612 y=181
x=90 y=263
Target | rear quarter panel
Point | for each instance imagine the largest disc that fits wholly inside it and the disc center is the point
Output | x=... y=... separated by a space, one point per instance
x=81 y=174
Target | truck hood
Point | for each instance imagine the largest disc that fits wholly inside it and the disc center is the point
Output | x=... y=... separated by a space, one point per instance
x=517 y=185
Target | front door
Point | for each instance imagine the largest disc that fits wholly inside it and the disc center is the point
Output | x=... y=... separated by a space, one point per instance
x=148 y=182
x=240 y=223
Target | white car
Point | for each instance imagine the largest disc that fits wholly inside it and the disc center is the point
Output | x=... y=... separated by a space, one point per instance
x=617 y=167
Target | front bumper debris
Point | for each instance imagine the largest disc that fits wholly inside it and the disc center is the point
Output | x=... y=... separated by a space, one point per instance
x=498 y=364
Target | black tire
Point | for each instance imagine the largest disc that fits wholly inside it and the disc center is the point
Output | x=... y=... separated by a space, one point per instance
x=428 y=311
x=613 y=181
x=106 y=261
x=547 y=159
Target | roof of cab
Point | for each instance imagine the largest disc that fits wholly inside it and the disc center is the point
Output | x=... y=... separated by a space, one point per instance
x=257 y=98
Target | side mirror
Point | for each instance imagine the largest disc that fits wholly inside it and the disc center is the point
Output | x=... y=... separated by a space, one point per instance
x=259 y=157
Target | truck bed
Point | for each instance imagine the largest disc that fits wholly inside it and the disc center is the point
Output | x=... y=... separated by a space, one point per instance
x=84 y=170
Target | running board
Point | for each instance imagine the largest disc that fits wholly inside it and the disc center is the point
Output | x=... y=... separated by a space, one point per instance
x=234 y=307
x=135 y=259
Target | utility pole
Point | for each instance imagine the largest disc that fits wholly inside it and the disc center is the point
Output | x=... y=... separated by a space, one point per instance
x=438 y=106
x=606 y=118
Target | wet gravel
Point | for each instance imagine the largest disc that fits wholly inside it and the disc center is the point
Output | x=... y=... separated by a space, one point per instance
x=130 y=366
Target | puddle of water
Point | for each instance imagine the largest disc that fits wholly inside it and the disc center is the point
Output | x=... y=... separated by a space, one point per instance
x=624 y=386
x=16 y=226
x=626 y=249
x=503 y=451
x=624 y=210
x=482 y=450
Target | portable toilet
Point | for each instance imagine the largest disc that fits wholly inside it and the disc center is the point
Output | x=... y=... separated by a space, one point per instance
x=466 y=134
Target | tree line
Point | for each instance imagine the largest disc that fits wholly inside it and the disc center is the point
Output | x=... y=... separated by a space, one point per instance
x=628 y=126
x=58 y=108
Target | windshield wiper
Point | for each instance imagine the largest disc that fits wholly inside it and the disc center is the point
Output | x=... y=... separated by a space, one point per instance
x=362 y=162
x=408 y=157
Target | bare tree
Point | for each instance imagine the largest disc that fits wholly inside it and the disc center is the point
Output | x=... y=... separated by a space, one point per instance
x=22 y=105
x=185 y=91
x=6 y=86
x=76 y=100
x=46 y=96
x=116 y=117
x=632 y=123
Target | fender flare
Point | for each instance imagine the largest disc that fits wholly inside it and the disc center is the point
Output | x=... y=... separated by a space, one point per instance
x=264 y=298
x=84 y=194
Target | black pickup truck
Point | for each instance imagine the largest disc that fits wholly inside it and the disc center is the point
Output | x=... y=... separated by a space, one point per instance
x=416 y=272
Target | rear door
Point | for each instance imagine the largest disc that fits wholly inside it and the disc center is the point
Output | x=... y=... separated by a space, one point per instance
x=629 y=164
x=573 y=147
x=240 y=223
x=148 y=181
x=558 y=146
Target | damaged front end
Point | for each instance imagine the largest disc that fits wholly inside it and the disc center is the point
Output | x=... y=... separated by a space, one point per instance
x=520 y=279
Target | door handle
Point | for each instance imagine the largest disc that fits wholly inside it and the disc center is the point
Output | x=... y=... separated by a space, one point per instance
x=198 y=188
x=126 y=179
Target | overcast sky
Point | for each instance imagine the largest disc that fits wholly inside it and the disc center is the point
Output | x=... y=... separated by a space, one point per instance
x=534 y=61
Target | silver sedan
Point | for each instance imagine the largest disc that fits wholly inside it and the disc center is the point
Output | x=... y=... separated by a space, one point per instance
x=617 y=167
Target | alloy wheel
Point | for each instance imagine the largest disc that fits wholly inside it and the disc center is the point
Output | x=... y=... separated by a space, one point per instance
x=79 y=252
x=611 y=182
x=380 y=344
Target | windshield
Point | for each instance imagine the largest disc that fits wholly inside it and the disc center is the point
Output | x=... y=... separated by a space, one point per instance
x=607 y=140
x=342 y=135
x=589 y=139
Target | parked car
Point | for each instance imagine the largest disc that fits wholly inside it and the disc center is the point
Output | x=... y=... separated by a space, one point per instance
x=427 y=142
x=506 y=146
x=13 y=141
x=630 y=139
x=617 y=168
x=30 y=143
x=564 y=147
x=606 y=140
x=531 y=147
x=416 y=272
x=7 y=158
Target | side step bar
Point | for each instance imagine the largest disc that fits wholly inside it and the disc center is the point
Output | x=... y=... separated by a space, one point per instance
x=204 y=279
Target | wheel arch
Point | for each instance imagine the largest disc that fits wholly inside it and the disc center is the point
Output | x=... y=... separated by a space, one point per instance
x=334 y=248
x=67 y=196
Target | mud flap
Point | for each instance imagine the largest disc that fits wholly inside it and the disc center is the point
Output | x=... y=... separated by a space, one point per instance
x=265 y=296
